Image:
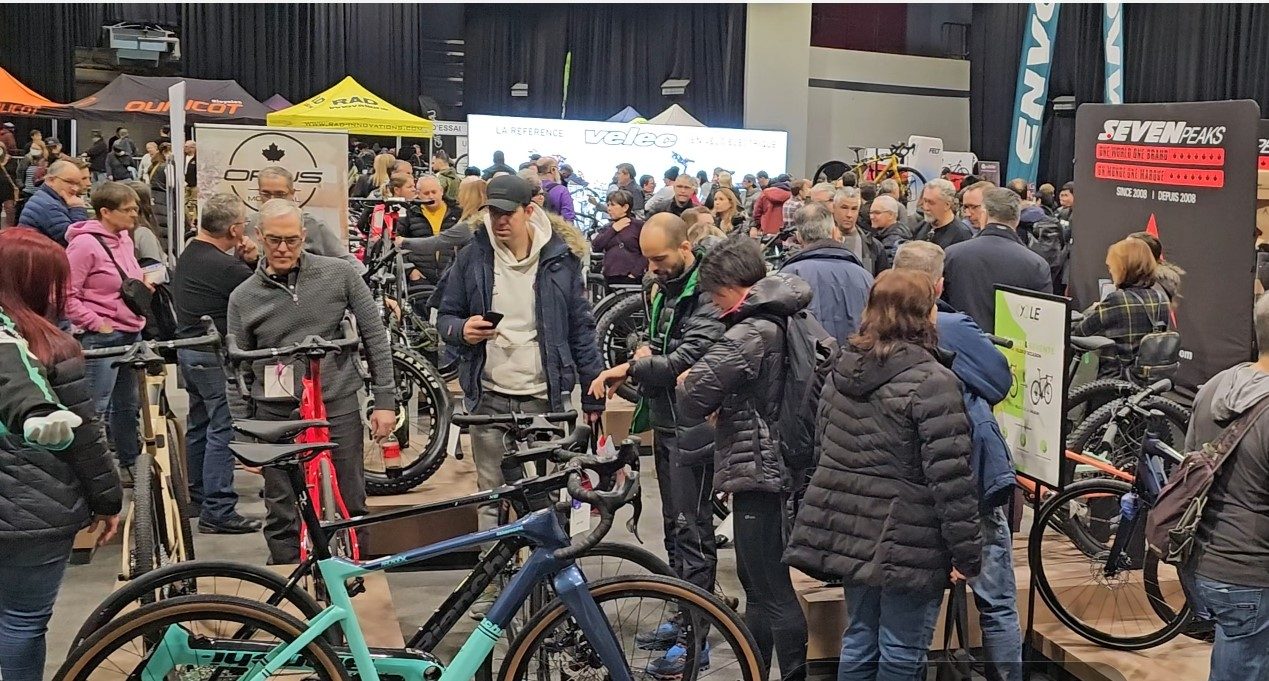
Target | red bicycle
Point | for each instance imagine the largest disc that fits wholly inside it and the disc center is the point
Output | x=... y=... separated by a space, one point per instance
x=319 y=471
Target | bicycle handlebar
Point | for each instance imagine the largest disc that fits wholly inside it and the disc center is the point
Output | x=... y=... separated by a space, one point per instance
x=466 y=420
x=1131 y=405
x=147 y=350
x=311 y=345
x=606 y=502
x=1002 y=342
x=560 y=451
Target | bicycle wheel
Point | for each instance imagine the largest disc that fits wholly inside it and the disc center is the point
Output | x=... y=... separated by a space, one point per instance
x=911 y=180
x=1139 y=605
x=616 y=296
x=830 y=171
x=1085 y=399
x=144 y=541
x=618 y=330
x=170 y=639
x=201 y=577
x=424 y=408
x=1132 y=432
x=612 y=559
x=341 y=541
x=179 y=524
x=713 y=640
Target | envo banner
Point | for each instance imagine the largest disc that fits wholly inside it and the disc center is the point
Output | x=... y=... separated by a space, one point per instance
x=1190 y=170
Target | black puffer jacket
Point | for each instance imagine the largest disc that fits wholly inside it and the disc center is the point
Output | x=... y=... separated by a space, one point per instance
x=46 y=495
x=892 y=502
x=414 y=225
x=740 y=379
x=694 y=328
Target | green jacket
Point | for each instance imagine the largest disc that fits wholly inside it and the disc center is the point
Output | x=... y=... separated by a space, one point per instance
x=449 y=183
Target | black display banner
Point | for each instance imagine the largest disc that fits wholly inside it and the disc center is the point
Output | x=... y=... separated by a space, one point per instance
x=1187 y=173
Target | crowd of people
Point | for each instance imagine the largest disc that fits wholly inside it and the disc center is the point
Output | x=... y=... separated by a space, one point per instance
x=908 y=482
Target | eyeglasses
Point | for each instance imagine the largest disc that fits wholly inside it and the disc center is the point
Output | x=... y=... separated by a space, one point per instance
x=291 y=242
x=276 y=195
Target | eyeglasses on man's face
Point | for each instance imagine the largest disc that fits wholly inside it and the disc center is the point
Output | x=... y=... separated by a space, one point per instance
x=291 y=242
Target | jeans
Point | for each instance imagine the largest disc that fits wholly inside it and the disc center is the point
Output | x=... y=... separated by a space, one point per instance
x=488 y=444
x=30 y=575
x=282 y=520
x=1241 y=614
x=209 y=428
x=687 y=510
x=996 y=595
x=115 y=394
x=772 y=611
x=888 y=634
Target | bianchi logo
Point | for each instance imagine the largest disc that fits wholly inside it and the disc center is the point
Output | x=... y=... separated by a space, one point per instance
x=260 y=151
x=1160 y=132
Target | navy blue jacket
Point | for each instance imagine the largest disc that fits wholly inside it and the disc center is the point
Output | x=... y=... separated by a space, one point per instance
x=839 y=285
x=47 y=212
x=985 y=378
x=566 y=323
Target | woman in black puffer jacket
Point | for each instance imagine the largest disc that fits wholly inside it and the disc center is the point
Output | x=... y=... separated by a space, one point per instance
x=738 y=382
x=55 y=472
x=892 y=508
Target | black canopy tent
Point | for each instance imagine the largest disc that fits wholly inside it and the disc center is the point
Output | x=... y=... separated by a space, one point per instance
x=206 y=101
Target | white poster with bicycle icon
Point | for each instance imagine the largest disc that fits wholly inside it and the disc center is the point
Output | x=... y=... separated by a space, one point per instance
x=1031 y=417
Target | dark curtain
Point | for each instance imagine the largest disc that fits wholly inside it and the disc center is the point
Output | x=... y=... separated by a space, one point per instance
x=620 y=56
x=39 y=47
x=1172 y=53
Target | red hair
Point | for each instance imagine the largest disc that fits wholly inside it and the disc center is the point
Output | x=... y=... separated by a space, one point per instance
x=34 y=281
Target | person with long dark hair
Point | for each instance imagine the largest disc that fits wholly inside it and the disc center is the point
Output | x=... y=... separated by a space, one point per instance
x=56 y=476
x=891 y=508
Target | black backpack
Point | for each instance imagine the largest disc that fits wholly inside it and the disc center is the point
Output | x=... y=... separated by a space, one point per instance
x=1049 y=242
x=808 y=354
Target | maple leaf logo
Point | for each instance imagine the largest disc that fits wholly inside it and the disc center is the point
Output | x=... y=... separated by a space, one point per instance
x=273 y=153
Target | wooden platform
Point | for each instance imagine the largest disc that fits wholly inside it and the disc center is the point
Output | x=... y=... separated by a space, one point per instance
x=1181 y=659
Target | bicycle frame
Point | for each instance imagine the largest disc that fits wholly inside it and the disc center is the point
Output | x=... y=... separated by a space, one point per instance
x=541 y=529
x=312 y=406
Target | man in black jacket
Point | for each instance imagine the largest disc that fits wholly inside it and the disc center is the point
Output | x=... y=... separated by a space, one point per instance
x=684 y=325
x=938 y=201
x=995 y=256
x=437 y=216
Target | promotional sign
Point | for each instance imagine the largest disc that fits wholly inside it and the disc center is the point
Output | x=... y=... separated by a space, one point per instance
x=230 y=157
x=176 y=172
x=594 y=148
x=1032 y=415
x=1186 y=172
x=990 y=171
x=1262 y=149
x=1032 y=90
x=1113 y=28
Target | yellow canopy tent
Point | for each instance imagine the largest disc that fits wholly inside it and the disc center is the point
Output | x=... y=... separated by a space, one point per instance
x=349 y=106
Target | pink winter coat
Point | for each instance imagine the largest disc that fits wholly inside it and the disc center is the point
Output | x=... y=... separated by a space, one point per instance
x=94 y=298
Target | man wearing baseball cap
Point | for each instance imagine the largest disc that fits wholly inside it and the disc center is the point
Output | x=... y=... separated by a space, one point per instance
x=515 y=308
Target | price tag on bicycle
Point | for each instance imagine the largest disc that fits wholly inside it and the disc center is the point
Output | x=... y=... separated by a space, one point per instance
x=581 y=513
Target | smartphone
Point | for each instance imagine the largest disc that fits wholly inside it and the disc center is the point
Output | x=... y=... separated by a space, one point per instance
x=493 y=318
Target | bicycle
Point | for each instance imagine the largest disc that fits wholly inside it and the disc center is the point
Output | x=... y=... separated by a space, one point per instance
x=1087 y=549
x=580 y=631
x=156 y=531
x=623 y=317
x=301 y=589
x=876 y=169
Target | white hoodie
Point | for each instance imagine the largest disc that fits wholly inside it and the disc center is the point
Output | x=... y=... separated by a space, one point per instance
x=513 y=360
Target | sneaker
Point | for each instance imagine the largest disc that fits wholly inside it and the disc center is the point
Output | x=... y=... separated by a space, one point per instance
x=234 y=525
x=672 y=665
x=662 y=638
x=482 y=605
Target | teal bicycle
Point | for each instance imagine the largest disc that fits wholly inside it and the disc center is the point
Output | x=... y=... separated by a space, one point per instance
x=588 y=632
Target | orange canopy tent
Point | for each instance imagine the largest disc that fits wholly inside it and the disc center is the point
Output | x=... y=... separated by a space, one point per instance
x=16 y=99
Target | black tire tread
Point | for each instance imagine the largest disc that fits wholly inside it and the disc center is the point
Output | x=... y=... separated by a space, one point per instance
x=142 y=558
x=1095 y=422
x=623 y=307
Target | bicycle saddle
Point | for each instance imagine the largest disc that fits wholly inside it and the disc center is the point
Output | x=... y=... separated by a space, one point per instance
x=276 y=455
x=1091 y=343
x=277 y=431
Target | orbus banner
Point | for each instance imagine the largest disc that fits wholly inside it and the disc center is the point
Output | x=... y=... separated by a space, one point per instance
x=594 y=148
x=1187 y=173
x=1032 y=90
x=230 y=158
x=1113 y=28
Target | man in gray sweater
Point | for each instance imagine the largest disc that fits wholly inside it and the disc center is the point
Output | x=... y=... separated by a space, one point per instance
x=293 y=295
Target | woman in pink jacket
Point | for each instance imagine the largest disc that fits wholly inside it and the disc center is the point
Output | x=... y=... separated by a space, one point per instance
x=96 y=308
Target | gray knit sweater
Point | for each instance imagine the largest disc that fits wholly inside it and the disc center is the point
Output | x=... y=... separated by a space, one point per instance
x=264 y=313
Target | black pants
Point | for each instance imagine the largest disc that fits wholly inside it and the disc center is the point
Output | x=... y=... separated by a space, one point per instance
x=687 y=511
x=771 y=606
x=282 y=519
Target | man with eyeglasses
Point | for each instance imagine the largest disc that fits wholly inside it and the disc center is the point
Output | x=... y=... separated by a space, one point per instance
x=972 y=205
x=212 y=265
x=294 y=294
x=276 y=182
x=884 y=215
x=57 y=204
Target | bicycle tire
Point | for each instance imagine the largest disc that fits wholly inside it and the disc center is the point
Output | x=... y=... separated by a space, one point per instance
x=424 y=377
x=1091 y=429
x=605 y=304
x=143 y=557
x=182 y=510
x=725 y=624
x=1092 y=395
x=86 y=658
x=632 y=554
x=180 y=576
x=1035 y=559
x=830 y=171
x=626 y=311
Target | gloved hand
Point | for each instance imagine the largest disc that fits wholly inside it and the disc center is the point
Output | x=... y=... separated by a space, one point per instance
x=55 y=430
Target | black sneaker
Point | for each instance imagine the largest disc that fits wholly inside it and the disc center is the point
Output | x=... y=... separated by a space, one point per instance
x=235 y=525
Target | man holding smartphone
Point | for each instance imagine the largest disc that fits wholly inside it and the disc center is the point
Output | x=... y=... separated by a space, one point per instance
x=515 y=309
